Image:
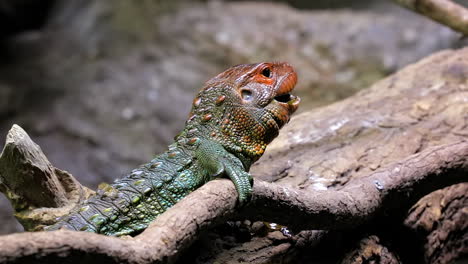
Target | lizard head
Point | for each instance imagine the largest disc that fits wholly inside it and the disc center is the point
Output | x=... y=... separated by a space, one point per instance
x=249 y=104
x=267 y=87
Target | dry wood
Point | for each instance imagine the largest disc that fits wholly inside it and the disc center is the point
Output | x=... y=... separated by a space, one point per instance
x=216 y=201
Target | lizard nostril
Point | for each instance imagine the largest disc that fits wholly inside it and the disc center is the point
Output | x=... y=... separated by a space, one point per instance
x=246 y=95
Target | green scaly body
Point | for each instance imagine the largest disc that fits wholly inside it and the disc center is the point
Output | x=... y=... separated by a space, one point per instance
x=233 y=118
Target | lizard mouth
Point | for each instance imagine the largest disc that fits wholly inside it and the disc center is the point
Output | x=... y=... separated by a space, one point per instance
x=284 y=104
x=289 y=99
x=284 y=98
x=283 y=93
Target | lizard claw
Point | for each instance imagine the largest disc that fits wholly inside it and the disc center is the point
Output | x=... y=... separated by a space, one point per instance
x=243 y=182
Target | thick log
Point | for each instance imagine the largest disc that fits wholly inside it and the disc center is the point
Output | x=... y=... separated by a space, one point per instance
x=216 y=202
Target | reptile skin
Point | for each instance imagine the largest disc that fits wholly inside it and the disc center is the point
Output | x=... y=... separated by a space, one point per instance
x=233 y=118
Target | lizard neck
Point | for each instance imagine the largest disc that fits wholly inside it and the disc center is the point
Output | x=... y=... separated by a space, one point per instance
x=218 y=117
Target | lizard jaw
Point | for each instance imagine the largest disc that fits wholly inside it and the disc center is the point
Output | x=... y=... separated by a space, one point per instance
x=286 y=84
x=283 y=94
x=284 y=104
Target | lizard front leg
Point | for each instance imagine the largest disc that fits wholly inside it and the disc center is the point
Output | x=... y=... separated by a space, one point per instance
x=216 y=161
x=242 y=180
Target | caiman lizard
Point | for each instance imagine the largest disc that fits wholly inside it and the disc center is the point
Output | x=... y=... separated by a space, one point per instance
x=233 y=118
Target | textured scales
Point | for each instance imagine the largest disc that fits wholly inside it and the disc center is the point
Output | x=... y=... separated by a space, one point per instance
x=233 y=118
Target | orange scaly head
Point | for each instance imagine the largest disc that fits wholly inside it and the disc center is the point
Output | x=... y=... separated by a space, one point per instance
x=247 y=104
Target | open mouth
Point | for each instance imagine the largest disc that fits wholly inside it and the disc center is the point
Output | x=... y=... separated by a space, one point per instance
x=290 y=100
x=284 y=98
x=288 y=104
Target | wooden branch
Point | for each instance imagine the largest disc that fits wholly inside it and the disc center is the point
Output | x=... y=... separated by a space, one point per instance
x=214 y=202
x=445 y=12
x=360 y=200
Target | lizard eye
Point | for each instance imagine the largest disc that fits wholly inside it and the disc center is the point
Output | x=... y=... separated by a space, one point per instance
x=246 y=95
x=266 y=72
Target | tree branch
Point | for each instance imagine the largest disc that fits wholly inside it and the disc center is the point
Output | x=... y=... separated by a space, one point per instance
x=175 y=230
x=361 y=199
x=445 y=12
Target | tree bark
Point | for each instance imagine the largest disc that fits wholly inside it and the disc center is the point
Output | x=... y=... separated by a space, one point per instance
x=440 y=218
x=370 y=250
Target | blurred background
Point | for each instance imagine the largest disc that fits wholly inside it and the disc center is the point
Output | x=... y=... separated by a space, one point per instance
x=104 y=85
